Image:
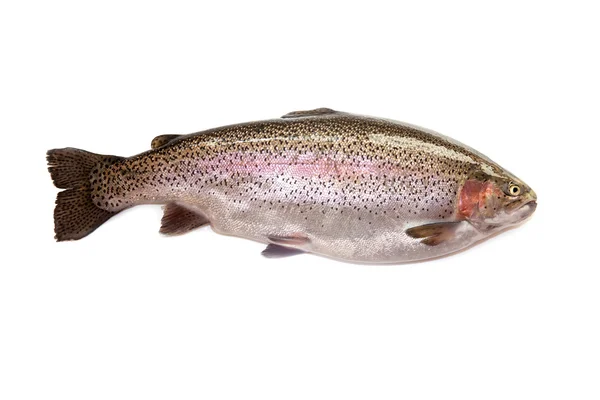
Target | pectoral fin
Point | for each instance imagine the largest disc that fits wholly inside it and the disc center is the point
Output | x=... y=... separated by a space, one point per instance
x=434 y=234
x=309 y=113
x=178 y=220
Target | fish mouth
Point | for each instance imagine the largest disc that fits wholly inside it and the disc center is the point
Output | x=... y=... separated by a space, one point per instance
x=526 y=210
x=507 y=220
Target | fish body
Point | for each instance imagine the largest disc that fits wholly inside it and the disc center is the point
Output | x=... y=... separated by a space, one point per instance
x=345 y=186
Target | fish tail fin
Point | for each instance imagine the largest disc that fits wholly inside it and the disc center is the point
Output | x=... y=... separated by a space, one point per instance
x=75 y=214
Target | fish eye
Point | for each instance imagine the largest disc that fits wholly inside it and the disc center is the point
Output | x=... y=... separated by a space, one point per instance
x=514 y=190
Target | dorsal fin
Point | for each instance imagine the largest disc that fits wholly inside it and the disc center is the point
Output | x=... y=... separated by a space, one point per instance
x=309 y=113
x=161 y=140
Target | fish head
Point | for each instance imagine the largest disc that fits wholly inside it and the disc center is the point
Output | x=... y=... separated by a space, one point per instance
x=492 y=202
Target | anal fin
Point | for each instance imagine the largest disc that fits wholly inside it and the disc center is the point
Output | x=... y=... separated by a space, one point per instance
x=178 y=220
x=434 y=234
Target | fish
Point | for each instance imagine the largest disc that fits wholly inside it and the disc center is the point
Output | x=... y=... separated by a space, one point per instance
x=350 y=187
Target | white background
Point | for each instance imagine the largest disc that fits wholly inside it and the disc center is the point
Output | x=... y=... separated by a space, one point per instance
x=128 y=314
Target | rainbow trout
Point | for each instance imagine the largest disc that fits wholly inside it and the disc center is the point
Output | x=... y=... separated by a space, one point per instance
x=346 y=186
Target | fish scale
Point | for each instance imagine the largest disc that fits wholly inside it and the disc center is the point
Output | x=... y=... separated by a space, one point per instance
x=341 y=185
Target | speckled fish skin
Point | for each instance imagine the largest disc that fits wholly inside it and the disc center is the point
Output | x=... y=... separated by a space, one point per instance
x=350 y=187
